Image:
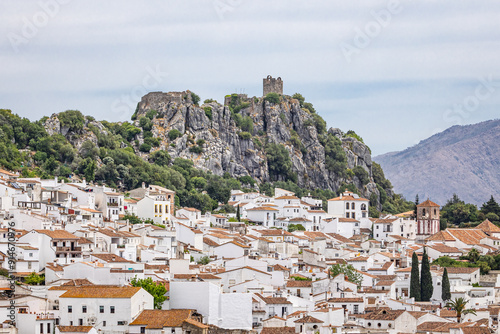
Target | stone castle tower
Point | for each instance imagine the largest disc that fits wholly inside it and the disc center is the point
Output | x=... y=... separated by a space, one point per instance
x=427 y=218
x=272 y=85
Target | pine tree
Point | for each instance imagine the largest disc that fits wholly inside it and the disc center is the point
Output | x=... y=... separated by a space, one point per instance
x=414 y=279
x=445 y=293
x=491 y=206
x=426 y=287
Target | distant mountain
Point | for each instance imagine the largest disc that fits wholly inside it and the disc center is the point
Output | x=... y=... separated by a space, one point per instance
x=462 y=159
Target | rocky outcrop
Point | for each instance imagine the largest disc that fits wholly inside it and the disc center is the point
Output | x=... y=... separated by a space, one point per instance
x=227 y=149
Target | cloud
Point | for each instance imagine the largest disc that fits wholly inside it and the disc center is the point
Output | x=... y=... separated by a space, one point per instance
x=393 y=92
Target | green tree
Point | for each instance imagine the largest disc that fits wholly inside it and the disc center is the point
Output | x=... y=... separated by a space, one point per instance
x=174 y=134
x=445 y=286
x=426 y=287
x=300 y=98
x=35 y=279
x=458 y=305
x=491 y=206
x=157 y=290
x=204 y=260
x=272 y=98
x=415 y=278
x=72 y=119
x=456 y=211
x=195 y=98
x=348 y=270
x=278 y=161
x=417 y=202
x=238 y=214
x=296 y=227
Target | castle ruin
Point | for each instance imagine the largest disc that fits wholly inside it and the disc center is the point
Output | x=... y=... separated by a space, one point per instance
x=272 y=85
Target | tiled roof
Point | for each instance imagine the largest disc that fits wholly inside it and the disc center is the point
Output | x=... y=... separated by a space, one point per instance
x=347 y=198
x=358 y=259
x=158 y=319
x=298 y=284
x=210 y=242
x=384 y=315
x=309 y=320
x=201 y=276
x=488 y=227
x=58 y=234
x=273 y=300
x=445 y=249
x=262 y=208
x=108 y=257
x=445 y=313
x=441 y=236
x=95 y=291
x=287 y=197
x=346 y=300
x=278 y=330
x=468 y=236
x=428 y=203
x=461 y=270
x=274 y=232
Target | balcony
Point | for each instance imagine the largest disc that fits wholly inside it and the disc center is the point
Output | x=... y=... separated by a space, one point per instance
x=68 y=249
x=113 y=204
x=255 y=324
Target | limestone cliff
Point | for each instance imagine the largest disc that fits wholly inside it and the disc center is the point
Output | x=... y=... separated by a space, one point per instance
x=227 y=148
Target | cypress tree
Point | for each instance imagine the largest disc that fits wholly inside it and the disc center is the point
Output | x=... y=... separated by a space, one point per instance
x=238 y=217
x=445 y=294
x=414 y=279
x=426 y=287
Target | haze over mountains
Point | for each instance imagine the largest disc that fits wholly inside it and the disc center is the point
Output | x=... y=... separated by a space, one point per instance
x=462 y=159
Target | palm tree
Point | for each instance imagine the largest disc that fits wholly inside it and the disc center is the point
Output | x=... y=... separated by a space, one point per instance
x=459 y=306
x=473 y=255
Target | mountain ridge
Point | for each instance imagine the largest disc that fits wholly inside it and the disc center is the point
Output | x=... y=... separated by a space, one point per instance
x=462 y=159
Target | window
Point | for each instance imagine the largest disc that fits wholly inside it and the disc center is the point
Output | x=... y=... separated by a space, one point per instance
x=354 y=215
x=347 y=206
x=376 y=227
x=161 y=207
x=41 y=328
x=48 y=328
x=111 y=309
x=29 y=265
x=101 y=309
x=156 y=208
x=356 y=309
x=70 y=309
x=71 y=323
x=31 y=254
x=353 y=206
x=121 y=323
x=347 y=215
x=143 y=330
x=104 y=323
x=84 y=309
x=80 y=322
x=379 y=324
x=369 y=324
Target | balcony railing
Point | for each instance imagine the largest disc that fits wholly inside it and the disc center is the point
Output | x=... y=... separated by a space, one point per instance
x=68 y=249
x=112 y=204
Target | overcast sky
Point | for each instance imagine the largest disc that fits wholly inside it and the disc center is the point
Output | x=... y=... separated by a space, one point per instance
x=396 y=72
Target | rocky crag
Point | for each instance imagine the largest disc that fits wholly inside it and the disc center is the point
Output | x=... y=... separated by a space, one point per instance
x=227 y=148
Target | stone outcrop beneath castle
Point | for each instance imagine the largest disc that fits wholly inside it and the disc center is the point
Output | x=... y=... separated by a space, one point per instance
x=272 y=85
x=225 y=149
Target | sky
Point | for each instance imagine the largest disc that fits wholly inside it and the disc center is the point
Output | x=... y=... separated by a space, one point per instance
x=395 y=72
